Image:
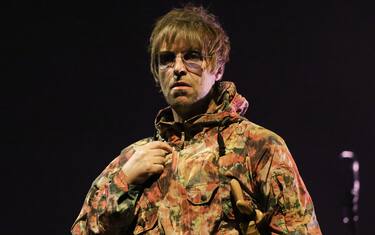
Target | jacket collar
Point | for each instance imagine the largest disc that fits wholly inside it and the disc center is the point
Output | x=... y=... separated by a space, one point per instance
x=228 y=107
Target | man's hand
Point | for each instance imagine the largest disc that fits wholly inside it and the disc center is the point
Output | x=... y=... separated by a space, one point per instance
x=146 y=161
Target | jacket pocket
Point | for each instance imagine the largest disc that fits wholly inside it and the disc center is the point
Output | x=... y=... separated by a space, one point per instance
x=147 y=216
x=201 y=194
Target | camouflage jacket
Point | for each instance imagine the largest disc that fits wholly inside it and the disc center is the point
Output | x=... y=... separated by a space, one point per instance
x=192 y=195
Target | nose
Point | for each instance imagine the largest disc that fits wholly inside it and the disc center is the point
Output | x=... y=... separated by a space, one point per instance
x=179 y=68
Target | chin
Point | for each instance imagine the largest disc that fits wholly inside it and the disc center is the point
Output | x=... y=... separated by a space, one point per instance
x=180 y=102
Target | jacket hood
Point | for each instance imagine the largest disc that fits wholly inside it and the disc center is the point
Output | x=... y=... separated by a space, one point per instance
x=228 y=108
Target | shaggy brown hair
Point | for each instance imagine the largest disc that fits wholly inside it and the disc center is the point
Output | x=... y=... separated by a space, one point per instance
x=194 y=25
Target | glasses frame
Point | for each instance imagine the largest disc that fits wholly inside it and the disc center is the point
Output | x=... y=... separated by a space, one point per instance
x=191 y=65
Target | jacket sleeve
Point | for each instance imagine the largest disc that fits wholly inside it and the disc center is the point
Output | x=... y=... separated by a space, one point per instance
x=109 y=207
x=285 y=197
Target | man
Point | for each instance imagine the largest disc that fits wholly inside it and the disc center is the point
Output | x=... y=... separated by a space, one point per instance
x=207 y=170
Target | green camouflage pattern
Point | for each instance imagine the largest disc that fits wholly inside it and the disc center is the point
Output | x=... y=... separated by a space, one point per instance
x=192 y=195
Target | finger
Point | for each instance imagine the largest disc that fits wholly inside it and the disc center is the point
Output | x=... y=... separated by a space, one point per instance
x=160 y=145
x=168 y=158
x=259 y=216
x=157 y=153
x=236 y=190
x=158 y=160
x=245 y=207
x=157 y=169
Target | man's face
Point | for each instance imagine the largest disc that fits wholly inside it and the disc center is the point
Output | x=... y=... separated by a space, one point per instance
x=183 y=75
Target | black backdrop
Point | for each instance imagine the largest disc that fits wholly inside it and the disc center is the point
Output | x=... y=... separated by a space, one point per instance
x=77 y=89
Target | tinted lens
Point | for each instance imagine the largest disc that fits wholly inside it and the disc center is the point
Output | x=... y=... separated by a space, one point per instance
x=192 y=59
x=166 y=58
x=193 y=56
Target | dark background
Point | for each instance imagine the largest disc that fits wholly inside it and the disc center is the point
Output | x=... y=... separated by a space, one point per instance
x=77 y=89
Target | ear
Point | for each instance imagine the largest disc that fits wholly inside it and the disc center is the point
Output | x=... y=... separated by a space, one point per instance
x=219 y=73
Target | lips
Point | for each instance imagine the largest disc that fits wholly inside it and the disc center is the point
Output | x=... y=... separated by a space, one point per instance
x=180 y=84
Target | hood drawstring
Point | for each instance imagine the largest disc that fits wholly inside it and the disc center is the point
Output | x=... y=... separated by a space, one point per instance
x=220 y=140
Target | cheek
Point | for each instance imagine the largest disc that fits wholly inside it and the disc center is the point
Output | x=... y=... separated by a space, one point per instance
x=208 y=81
x=163 y=80
x=162 y=77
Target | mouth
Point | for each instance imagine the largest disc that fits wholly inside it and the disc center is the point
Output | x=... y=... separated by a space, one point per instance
x=180 y=85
